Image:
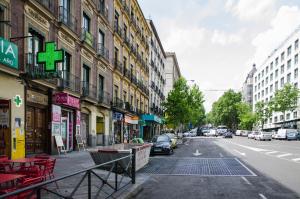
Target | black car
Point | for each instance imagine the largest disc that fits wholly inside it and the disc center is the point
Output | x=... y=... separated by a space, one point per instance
x=228 y=134
x=161 y=145
x=199 y=131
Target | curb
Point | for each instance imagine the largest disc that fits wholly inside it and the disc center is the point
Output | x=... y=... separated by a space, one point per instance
x=131 y=193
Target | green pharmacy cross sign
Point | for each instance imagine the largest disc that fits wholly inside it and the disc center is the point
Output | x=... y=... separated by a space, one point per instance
x=18 y=100
x=50 y=57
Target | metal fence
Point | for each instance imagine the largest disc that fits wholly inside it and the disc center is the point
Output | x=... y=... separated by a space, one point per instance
x=115 y=173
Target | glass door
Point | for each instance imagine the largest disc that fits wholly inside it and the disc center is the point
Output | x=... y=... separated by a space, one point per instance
x=64 y=131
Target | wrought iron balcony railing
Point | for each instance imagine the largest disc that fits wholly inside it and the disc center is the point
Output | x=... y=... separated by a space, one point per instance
x=102 y=51
x=67 y=18
x=118 y=65
x=127 y=73
x=89 y=90
x=69 y=81
x=118 y=30
x=118 y=103
x=104 y=97
x=133 y=79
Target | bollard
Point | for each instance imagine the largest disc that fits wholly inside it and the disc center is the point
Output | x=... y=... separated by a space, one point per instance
x=89 y=185
x=133 y=165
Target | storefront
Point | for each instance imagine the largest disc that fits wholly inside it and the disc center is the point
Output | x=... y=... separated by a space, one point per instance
x=130 y=127
x=65 y=112
x=118 y=125
x=150 y=126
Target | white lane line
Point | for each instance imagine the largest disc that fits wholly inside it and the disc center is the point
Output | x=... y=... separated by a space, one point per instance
x=284 y=155
x=272 y=152
x=243 y=154
x=296 y=159
x=221 y=155
x=245 y=167
x=262 y=196
x=246 y=180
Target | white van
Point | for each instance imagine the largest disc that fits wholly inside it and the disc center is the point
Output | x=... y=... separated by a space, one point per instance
x=281 y=134
x=238 y=133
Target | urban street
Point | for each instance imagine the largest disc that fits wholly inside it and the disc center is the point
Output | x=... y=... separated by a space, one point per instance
x=225 y=168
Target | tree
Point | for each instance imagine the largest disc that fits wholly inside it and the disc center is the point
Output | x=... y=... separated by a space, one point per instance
x=263 y=111
x=184 y=105
x=285 y=99
x=225 y=109
x=246 y=117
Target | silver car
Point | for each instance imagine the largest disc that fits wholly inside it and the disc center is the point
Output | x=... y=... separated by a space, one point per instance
x=263 y=135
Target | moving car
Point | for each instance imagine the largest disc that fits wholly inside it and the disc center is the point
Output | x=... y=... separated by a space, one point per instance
x=162 y=144
x=282 y=133
x=227 y=134
x=173 y=138
x=263 y=135
x=293 y=135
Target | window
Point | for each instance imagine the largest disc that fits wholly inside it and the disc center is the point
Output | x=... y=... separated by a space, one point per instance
x=258 y=95
x=101 y=38
x=267 y=69
x=101 y=85
x=289 y=63
x=255 y=79
x=282 y=56
x=270 y=120
x=131 y=100
x=255 y=97
x=276 y=61
x=267 y=91
x=271 y=88
x=2 y=19
x=102 y=5
x=295 y=114
x=288 y=116
x=275 y=119
x=271 y=66
x=66 y=68
x=262 y=83
x=124 y=96
x=116 y=19
x=35 y=44
x=124 y=62
x=255 y=88
x=267 y=80
x=258 y=76
x=288 y=78
x=276 y=73
x=296 y=59
x=289 y=50
x=281 y=117
x=262 y=93
x=258 y=86
x=296 y=85
x=125 y=30
x=296 y=44
x=86 y=22
x=116 y=92
x=116 y=57
x=296 y=73
x=271 y=77
x=276 y=85
x=282 y=82
x=282 y=69
x=262 y=73
x=86 y=74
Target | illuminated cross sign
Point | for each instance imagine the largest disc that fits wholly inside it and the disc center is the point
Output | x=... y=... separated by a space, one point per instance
x=50 y=57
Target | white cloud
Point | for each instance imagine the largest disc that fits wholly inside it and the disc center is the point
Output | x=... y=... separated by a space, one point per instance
x=223 y=38
x=249 y=10
x=285 y=22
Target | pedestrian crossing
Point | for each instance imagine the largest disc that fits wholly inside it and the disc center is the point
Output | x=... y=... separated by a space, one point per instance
x=282 y=155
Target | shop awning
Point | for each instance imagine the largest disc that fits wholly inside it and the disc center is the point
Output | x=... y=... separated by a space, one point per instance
x=152 y=118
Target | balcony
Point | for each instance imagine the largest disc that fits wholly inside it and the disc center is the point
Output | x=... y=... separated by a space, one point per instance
x=67 y=18
x=133 y=21
x=118 y=103
x=138 y=30
x=133 y=49
x=118 y=30
x=102 y=51
x=103 y=11
x=47 y=4
x=87 y=37
x=104 y=98
x=126 y=8
x=118 y=66
x=69 y=81
x=134 y=80
x=127 y=73
x=139 y=57
x=127 y=41
x=89 y=90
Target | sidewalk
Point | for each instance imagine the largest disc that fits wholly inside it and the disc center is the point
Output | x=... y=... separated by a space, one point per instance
x=76 y=161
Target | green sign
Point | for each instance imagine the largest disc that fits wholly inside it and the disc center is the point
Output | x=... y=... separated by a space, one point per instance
x=8 y=54
x=18 y=100
x=50 y=57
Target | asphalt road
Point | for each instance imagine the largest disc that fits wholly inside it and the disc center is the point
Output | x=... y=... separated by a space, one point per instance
x=216 y=170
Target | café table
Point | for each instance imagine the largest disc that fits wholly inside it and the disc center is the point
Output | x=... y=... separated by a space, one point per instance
x=5 y=178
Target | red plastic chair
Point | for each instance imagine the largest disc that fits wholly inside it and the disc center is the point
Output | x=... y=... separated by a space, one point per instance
x=49 y=171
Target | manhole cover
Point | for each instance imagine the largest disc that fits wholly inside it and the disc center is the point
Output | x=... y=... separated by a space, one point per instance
x=197 y=166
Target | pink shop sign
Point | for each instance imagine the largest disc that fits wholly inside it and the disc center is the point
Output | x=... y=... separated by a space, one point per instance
x=66 y=99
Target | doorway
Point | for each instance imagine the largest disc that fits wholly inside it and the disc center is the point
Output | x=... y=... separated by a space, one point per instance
x=5 y=132
x=36 y=132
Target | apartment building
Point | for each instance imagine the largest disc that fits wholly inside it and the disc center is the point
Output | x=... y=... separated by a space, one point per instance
x=279 y=68
x=247 y=89
x=131 y=70
x=73 y=100
x=172 y=72
x=156 y=83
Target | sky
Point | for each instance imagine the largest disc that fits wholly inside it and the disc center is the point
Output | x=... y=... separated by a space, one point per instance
x=218 y=41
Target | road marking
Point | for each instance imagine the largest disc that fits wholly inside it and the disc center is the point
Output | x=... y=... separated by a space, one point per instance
x=296 y=159
x=262 y=196
x=221 y=155
x=272 y=152
x=245 y=167
x=246 y=180
x=284 y=155
x=197 y=153
x=243 y=154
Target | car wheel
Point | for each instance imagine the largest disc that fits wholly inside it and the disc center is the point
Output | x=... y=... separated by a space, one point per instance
x=171 y=152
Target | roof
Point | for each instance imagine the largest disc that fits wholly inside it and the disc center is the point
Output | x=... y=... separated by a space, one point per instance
x=157 y=37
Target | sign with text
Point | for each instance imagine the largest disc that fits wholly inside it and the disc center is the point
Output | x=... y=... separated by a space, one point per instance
x=66 y=99
x=8 y=54
x=56 y=113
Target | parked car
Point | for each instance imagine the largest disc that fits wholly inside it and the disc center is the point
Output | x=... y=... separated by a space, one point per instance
x=252 y=134
x=221 y=130
x=282 y=133
x=293 y=136
x=238 y=132
x=186 y=134
x=162 y=144
x=245 y=133
x=263 y=135
x=274 y=134
x=227 y=134
x=173 y=138
x=200 y=131
x=212 y=132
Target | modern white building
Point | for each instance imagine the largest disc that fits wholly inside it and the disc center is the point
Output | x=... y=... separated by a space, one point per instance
x=172 y=71
x=280 y=67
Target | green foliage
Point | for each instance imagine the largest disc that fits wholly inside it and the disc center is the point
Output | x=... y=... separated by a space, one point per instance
x=225 y=110
x=184 y=104
x=263 y=111
x=285 y=99
x=246 y=117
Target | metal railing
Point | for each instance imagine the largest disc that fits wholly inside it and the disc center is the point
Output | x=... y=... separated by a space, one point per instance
x=127 y=73
x=118 y=65
x=89 y=90
x=133 y=79
x=102 y=51
x=104 y=97
x=67 y=18
x=118 y=29
x=116 y=171
x=118 y=103
x=69 y=81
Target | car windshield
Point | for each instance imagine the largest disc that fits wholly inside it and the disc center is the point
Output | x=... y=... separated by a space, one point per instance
x=160 y=139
